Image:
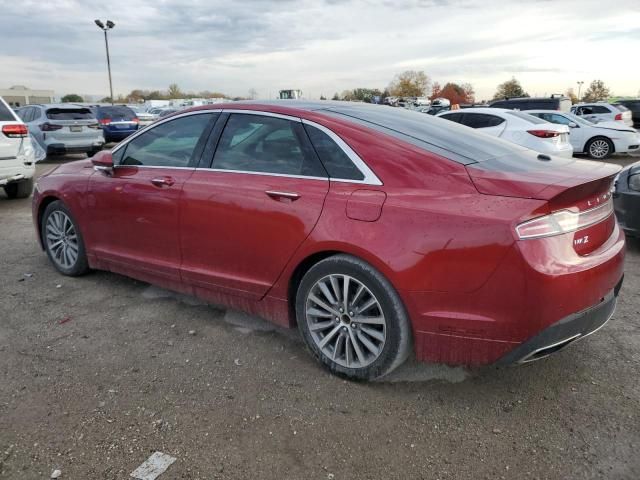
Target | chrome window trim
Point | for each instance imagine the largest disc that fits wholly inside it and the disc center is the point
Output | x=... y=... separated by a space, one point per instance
x=266 y=174
x=370 y=178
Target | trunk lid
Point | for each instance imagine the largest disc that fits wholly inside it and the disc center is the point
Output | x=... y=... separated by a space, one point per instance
x=580 y=187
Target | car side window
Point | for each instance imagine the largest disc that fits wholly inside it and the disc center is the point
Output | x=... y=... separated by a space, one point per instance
x=599 y=109
x=481 y=120
x=553 y=118
x=170 y=144
x=335 y=159
x=454 y=117
x=265 y=144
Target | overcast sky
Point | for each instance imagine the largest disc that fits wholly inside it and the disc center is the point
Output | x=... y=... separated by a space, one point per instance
x=319 y=46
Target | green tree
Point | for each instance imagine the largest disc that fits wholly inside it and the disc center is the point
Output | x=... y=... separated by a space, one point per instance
x=72 y=98
x=365 y=94
x=336 y=96
x=410 y=83
x=597 y=91
x=510 y=89
x=322 y=97
x=571 y=94
x=174 y=91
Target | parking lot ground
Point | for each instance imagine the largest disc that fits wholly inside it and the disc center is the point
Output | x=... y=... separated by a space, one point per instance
x=99 y=372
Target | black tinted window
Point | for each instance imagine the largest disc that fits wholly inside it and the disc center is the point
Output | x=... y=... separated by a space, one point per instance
x=599 y=109
x=454 y=117
x=481 y=120
x=116 y=112
x=256 y=143
x=334 y=159
x=69 y=113
x=171 y=144
x=5 y=114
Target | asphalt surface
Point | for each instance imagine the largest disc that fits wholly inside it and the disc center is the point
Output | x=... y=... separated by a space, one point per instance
x=99 y=372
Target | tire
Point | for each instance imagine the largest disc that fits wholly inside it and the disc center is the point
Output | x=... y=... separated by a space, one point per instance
x=599 y=148
x=335 y=341
x=58 y=225
x=21 y=189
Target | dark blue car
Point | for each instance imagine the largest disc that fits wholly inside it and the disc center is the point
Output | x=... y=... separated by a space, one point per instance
x=117 y=122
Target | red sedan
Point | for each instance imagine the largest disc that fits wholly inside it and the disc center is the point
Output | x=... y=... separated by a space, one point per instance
x=377 y=231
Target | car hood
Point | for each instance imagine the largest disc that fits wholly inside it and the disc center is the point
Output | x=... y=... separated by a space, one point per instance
x=531 y=175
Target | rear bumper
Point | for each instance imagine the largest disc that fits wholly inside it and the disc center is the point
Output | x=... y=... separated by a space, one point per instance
x=564 y=332
x=61 y=148
x=14 y=171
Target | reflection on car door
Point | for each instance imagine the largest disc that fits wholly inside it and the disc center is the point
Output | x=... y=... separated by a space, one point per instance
x=135 y=211
x=243 y=218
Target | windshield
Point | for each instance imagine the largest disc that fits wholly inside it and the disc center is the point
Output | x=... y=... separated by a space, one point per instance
x=116 y=112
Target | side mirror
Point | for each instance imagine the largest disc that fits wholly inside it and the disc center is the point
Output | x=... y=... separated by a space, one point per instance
x=573 y=125
x=103 y=162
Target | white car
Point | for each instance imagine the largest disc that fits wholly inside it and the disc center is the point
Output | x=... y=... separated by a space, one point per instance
x=17 y=162
x=598 y=140
x=603 y=112
x=144 y=118
x=516 y=127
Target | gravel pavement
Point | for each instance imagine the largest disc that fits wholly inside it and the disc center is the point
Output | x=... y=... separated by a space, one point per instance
x=97 y=373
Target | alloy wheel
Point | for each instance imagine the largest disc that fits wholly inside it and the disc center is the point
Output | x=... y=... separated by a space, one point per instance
x=62 y=240
x=599 y=148
x=346 y=321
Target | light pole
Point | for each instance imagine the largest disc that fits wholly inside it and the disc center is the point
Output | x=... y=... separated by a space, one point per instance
x=579 y=88
x=106 y=28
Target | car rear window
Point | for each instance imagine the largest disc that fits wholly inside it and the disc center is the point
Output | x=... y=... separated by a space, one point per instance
x=449 y=139
x=526 y=117
x=5 y=114
x=69 y=113
x=622 y=108
x=116 y=112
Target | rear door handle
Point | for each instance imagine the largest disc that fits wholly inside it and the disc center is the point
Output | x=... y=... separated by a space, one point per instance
x=276 y=195
x=163 y=181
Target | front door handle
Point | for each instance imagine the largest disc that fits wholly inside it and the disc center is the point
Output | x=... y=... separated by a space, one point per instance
x=276 y=195
x=163 y=181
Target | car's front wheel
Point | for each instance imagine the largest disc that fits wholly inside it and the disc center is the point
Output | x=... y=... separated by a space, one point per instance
x=63 y=241
x=352 y=319
x=599 y=148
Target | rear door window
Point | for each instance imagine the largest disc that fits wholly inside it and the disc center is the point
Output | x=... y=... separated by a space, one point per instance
x=453 y=117
x=481 y=120
x=69 y=114
x=335 y=160
x=265 y=144
x=124 y=113
x=599 y=109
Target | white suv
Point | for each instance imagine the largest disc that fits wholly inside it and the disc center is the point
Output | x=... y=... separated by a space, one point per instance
x=17 y=160
x=603 y=112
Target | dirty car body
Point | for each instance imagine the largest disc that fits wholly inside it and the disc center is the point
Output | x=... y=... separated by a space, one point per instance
x=495 y=253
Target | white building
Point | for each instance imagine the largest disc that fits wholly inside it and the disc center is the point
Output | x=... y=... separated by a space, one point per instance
x=19 y=95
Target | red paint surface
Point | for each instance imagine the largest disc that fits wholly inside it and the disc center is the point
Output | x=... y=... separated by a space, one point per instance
x=443 y=234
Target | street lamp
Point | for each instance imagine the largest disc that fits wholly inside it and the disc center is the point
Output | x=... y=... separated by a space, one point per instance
x=105 y=28
x=579 y=87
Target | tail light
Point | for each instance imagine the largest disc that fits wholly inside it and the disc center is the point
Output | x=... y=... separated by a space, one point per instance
x=619 y=116
x=49 y=127
x=135 y=120
x=15 y=131
x=104 y=121
x=564 y=221
x=543 y=133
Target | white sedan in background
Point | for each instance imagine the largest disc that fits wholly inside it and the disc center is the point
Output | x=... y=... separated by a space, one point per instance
x=516 y=127
x=598 y=140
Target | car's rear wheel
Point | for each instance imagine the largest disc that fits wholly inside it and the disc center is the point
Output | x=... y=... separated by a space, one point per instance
x=599 y=148
x=21 y=189
x=352 y=319
x=63 y=241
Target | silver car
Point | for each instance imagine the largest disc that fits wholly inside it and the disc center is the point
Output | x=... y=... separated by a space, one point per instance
x=63 y=128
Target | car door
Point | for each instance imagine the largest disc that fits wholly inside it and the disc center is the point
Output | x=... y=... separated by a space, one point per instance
x=134 y=210
x=258 y=198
